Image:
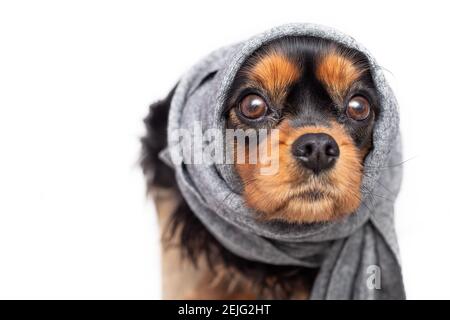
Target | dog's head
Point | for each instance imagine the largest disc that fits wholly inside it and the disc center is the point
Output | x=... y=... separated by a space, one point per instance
x=321 y=98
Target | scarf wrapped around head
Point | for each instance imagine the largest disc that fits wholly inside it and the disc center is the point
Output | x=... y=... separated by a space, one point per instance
x=357 y=256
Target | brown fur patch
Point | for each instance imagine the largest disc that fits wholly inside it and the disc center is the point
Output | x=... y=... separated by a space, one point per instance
x=275 y=73
x=337 y=72
x=288 y=194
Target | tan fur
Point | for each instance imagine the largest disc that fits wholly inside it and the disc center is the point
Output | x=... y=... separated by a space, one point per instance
x=283 y=196
x=337 y=73
x=275 y=73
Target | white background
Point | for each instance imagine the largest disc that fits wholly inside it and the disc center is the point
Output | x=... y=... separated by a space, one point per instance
x=76 y=78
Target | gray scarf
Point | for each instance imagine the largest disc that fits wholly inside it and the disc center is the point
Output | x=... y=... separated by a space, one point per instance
x=357 y=256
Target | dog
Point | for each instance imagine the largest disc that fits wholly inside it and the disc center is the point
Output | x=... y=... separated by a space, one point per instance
x=321 y=98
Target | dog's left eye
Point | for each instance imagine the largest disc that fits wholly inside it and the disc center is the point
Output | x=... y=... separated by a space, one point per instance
x=358 y=108
x=253 y=107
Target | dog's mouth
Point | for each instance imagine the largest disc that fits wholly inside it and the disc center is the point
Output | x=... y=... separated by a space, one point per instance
x=312 y=188
x=312 y=195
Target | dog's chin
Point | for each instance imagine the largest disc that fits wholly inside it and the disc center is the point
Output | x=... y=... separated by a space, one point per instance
x=310 y=209
x=308 y=205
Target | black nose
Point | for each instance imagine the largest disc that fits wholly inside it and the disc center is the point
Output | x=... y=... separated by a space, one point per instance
x=316 y=151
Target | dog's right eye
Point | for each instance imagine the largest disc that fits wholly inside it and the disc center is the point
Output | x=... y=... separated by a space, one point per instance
x=358 y=108
x=253 y=107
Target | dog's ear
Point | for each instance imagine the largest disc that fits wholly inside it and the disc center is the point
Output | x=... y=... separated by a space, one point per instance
x=156 y=171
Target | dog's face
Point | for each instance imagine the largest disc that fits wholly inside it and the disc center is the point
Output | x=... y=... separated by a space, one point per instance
x=321 y=98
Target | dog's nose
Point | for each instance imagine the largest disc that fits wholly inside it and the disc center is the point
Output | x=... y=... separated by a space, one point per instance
x=316 y=151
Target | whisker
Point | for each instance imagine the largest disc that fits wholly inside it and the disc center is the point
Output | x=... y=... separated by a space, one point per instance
x=391 y=166
x=364 y=203
x=382 y=185
x=374 y=194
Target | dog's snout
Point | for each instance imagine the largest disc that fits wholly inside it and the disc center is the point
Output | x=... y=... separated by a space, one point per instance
x=316 y=151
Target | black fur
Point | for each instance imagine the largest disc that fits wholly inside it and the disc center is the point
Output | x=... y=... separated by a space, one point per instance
x=156 y=171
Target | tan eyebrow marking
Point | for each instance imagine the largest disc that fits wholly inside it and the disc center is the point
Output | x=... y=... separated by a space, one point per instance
x=337 y=73
x=275 y=73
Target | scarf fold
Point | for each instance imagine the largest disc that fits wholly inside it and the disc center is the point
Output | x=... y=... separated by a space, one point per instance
x=357 y=256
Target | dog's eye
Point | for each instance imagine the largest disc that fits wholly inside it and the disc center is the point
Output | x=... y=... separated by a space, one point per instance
x=358 y=108
x=253 y=106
